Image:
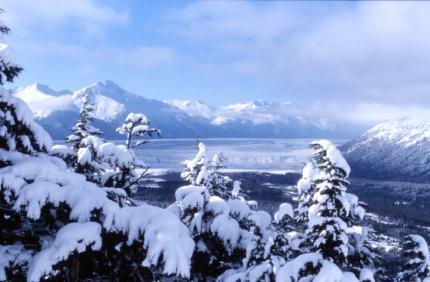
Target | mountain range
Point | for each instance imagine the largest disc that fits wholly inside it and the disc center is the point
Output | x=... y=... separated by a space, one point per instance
x=57 y=111
x=394 y=150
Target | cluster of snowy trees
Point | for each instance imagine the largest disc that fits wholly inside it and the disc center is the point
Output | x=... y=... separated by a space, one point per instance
x=67 y=213
x=73 y=218
x=323 y=239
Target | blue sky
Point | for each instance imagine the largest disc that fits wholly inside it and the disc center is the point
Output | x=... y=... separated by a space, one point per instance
x=366 y=61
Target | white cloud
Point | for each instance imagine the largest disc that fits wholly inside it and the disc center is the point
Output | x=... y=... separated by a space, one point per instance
x=364 y=51
x=367 y=113
x=91 y=17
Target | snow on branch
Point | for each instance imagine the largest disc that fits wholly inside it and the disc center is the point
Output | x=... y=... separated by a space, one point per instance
x=164 y=237
x=73 y=237
x=10 y=256
x=17 y=126
x=37 y=181
x=332 y=155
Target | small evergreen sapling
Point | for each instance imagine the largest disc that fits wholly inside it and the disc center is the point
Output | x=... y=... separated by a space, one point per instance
x=83 y=127
x=196 y=170
x=84 y=158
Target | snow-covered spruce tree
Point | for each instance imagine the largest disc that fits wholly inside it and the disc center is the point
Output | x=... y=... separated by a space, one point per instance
x=55 y=223
x=219 y=185
x=417 y=265
x=333 y=213
x=51 y=218
x=83 y=156
x=106 y=163
x=200 y=171
x=196 y=171
x=83 y=127
x=216 y=234
x=126 y=171
x=15 y=136
x=249 y=228
x=269 y=245
x=328 y=214
x=221 y=227
x=9 y=70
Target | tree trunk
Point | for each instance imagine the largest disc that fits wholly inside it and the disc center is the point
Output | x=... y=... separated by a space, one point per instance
x=74 y=270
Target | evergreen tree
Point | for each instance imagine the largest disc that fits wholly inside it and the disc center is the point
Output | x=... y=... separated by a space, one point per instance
x=19 y=137
x=83 y=127
x=193 y=207
x=196 y=171
x=329 y=213
x=126 y=171
x=221 y=227
x=219 y=185
x=84 y=141
x=52 y=218
x=416 y=253
x=269 y=244
x=136 y=125
x=9 y=70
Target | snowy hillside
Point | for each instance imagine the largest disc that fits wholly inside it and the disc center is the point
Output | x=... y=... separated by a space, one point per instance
x=397 y=150
x=57 y=110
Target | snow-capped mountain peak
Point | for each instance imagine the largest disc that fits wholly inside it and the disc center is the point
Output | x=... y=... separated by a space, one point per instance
x=43 y=100
x=109 y=99
x=394 y=149
x=106 y=88
x=57 y=110
x=193 y=108
x=38 y=91
x=253 y=105
x=407 y=131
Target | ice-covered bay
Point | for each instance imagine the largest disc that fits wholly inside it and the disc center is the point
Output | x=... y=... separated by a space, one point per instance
x=242 y=154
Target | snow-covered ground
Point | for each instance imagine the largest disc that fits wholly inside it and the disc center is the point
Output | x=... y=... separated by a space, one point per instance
x=249 y=155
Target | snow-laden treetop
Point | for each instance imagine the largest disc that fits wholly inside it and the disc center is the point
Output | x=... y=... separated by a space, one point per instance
x=334 y=155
